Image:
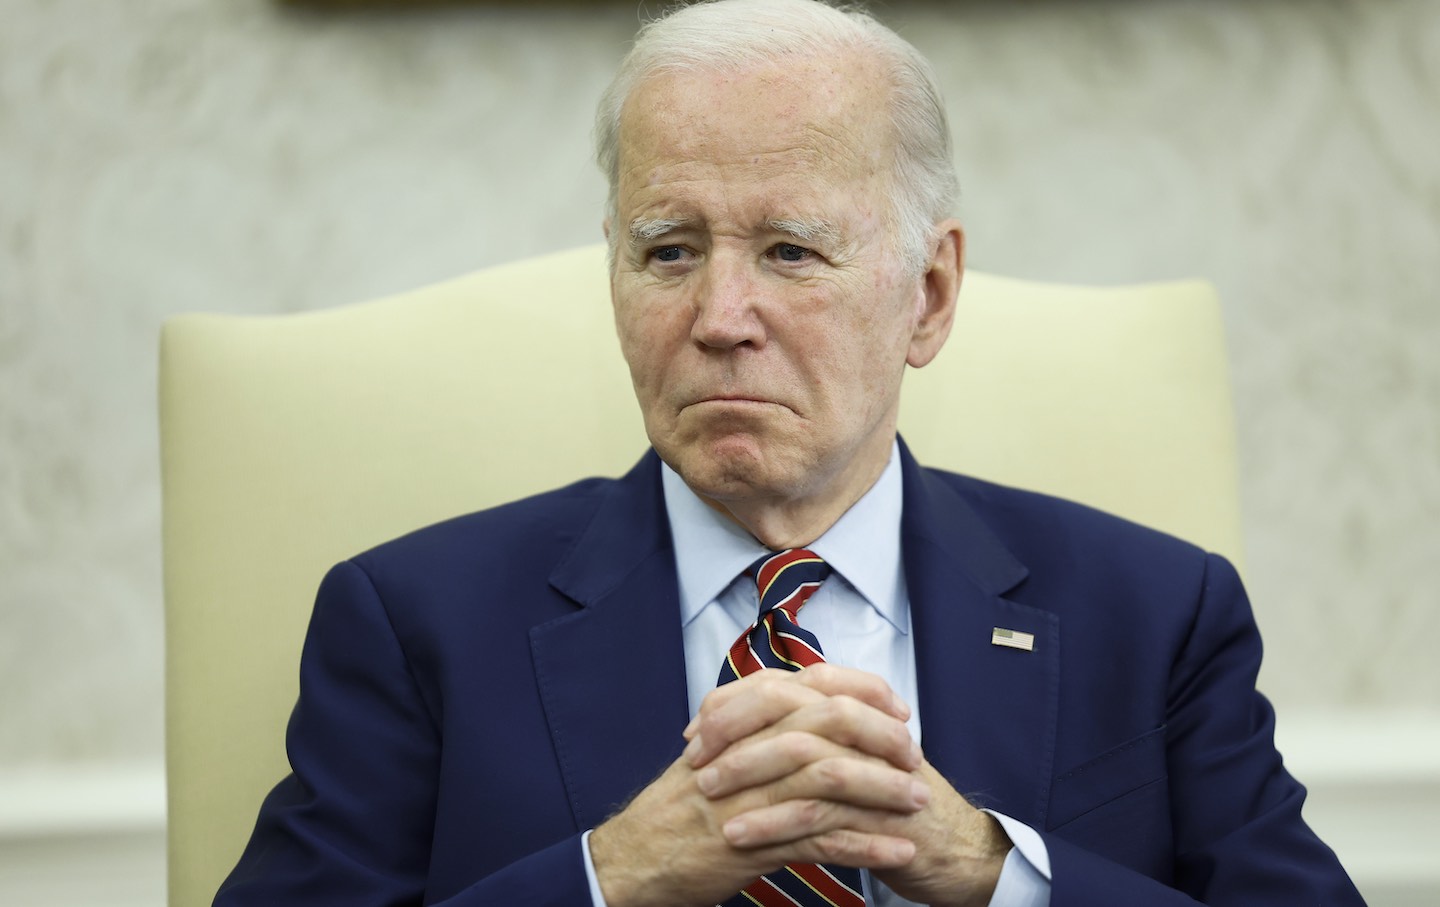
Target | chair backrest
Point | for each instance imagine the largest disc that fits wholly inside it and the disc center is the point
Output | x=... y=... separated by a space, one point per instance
x=292 y=442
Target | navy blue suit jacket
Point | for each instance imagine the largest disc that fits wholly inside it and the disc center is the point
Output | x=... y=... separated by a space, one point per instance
x=471 y=700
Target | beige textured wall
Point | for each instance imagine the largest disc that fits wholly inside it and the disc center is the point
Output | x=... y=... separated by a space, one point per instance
x=159 y=156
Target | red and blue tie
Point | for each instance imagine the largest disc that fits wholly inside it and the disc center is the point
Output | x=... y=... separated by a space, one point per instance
x=785 y=581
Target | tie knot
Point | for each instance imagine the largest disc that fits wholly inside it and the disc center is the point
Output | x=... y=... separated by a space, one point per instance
x=788 y=577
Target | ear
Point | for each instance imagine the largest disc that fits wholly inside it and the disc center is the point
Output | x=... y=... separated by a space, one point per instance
x=940 y=287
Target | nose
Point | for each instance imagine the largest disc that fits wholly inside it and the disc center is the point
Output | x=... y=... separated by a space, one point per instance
x=726 y=302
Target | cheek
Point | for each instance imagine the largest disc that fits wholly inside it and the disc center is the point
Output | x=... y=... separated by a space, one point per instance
x=879 y=323
x=629 y=329
x=867 y=354
x=645 y=364
x=648 y=337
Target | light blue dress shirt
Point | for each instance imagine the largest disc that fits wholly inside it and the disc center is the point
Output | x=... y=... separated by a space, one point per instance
x=861 y=615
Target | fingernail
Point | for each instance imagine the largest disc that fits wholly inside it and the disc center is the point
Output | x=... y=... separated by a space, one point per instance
x=919 y=793
x=707 y=780
x=692 y=749
x=690 y=728
x=736 y=831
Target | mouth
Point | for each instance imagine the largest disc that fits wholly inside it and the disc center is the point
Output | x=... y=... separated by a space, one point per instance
x=733 y=398
x=730 y=405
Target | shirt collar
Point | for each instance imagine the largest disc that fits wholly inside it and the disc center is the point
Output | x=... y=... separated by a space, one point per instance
x=863 y=546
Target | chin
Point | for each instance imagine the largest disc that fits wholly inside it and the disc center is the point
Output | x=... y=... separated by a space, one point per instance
x=731 y=468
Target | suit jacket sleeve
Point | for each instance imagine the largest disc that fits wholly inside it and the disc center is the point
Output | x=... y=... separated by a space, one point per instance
x=1238 y=836
x=352 y=825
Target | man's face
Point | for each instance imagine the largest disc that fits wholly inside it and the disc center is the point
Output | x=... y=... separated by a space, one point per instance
x=761 y=304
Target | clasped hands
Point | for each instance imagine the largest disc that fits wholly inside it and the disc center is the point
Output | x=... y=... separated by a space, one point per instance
x=814 y=766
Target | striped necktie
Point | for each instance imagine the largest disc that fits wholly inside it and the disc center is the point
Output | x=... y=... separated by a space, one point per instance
x=785 y=581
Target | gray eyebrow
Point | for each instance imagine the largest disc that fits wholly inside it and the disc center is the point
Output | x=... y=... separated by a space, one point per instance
x=806 y=230
x=644 y=229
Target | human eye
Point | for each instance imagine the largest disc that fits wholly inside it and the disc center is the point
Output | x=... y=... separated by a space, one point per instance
x=670 y=260
x=792 y=253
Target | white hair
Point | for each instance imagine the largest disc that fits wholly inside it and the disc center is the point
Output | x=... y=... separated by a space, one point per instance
x=734 y=35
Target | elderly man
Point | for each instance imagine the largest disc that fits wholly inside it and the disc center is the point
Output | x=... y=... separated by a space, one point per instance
x=494 y=710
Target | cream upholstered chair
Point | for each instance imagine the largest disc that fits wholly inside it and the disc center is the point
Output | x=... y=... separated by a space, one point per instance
x=292 y=442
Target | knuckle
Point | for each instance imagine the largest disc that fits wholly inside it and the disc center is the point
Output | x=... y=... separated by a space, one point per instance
x=902 y=794
x=774 y=691
x=798 y=747
x=822 y=672
x=842 y=719
x=836 y=846
x=763 y=679
x=852 y=710
x=713 y=728
x=809 y=812
x=831 y=777
x=872 y=850
x=900 y=738
x=832 y=710
x=775 y=795
x=868 y=684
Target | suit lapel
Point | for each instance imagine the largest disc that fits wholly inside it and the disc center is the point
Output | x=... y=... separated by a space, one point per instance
x=612 y=674
x=987 y=713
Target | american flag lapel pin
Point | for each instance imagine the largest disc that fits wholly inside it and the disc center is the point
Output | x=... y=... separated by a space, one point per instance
x=1012 y=639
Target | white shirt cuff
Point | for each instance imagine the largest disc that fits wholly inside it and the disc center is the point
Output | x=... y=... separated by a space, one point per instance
x=1026 y=840
x=1025 y=877
x=596 y=898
